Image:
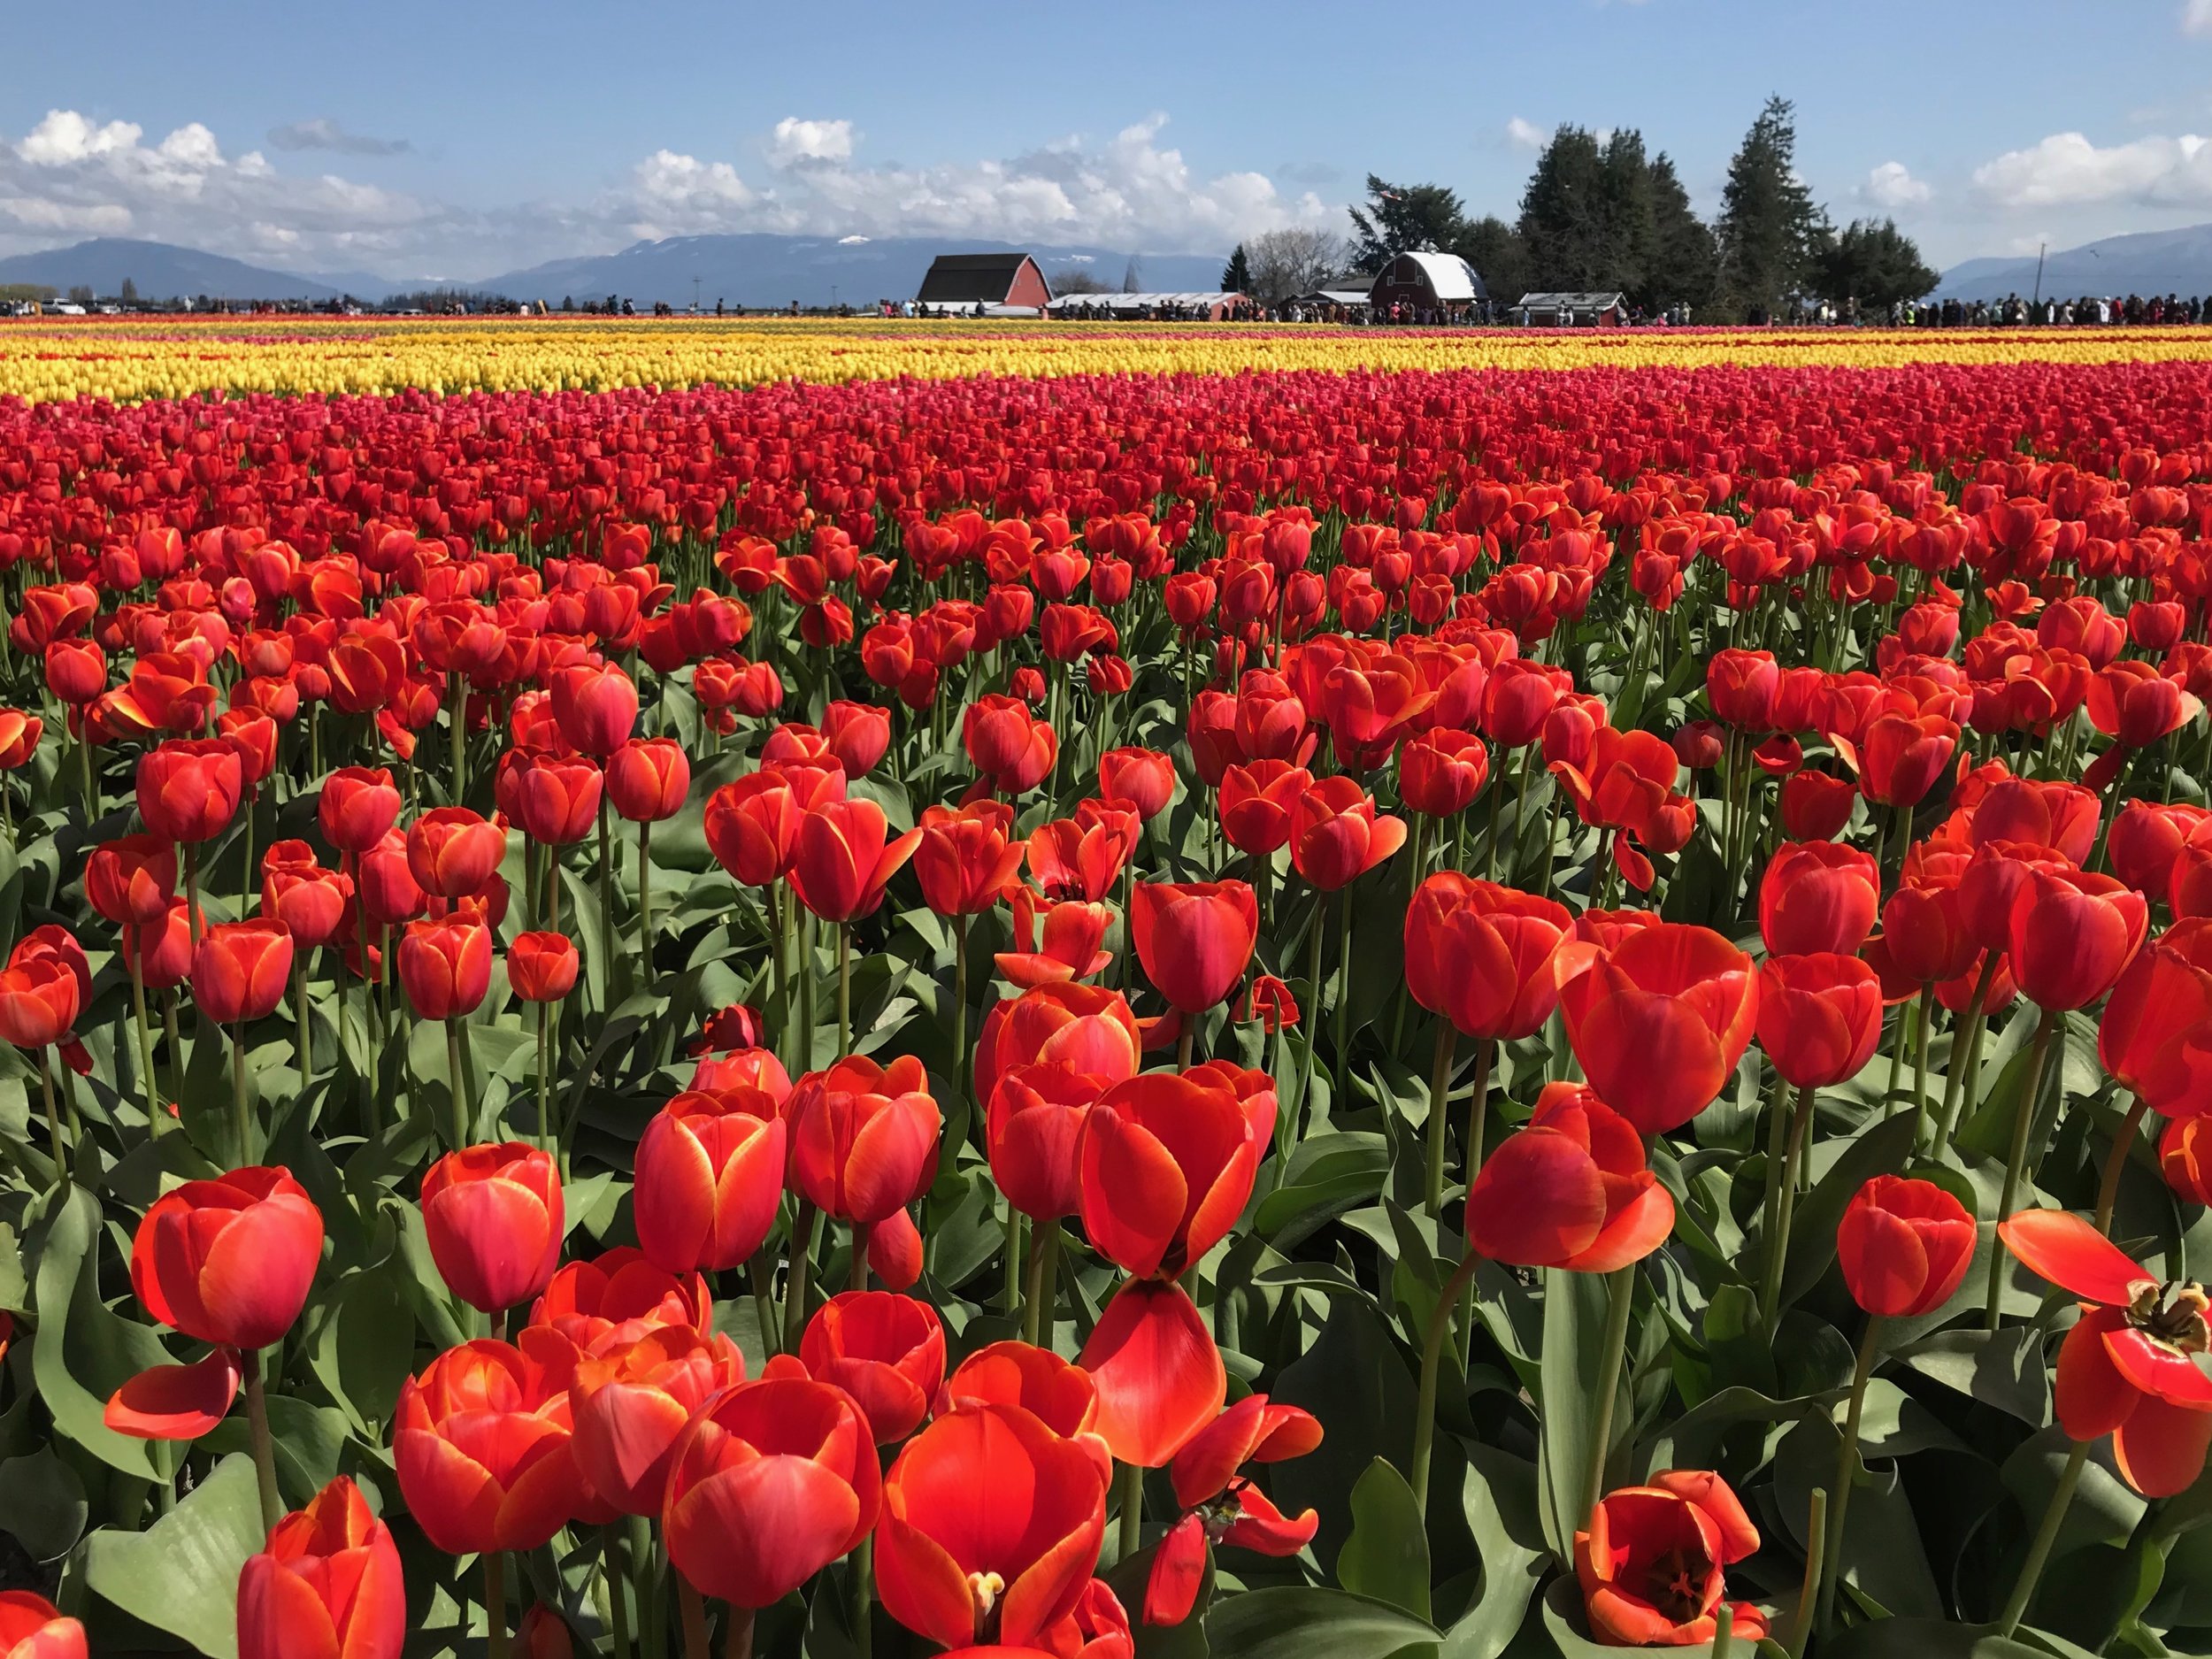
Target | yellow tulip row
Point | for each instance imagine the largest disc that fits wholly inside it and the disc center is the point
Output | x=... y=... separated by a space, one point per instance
x=130 y=359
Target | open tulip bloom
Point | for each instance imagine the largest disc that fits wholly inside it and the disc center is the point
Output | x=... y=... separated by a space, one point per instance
x=846 y=1003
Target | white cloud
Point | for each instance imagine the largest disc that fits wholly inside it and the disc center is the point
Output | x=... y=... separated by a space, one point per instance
x=2066 y=169
x=66 y=137
x=1526 y=135
x=853 y=241
x=796 y=141
x=1891 y=185
x=2196 y=18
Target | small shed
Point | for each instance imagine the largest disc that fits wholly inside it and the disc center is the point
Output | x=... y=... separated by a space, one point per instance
x=964 y=280
x=1572 y=311
x=1426 y=280
x=1185 y=307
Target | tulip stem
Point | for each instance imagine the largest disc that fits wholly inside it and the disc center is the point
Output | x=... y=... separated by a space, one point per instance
x=611 y=1568
x=1044 y=1261
x=1957 y=1068
x=2116 y=1161
x=2046 y=1535
x=1432 y=1363
x=962 y=1067
x=459 y=712
x=176 y=1045
x=645 y=902
x=1816 y=1562
x=53 y=1119
x=2015 y=1160
x=1343 y=1090
x=798 y=1273
x=1621 y=1286
x=805 y=1049
x=157 y=1120
x=737 y=1633
x=241 y=1113
x=695 y=1617
x=763 y=1303
x=458 y=1080
x=1439 y=1095
x=1478 y=1111
x=863 y=1566
x=494 y=1604
x=1303 y=1113
x=545 y=1078
x=844 y=989
x=1920 y=1068
x=1847 y=1460
x=302 y=1043
x=1782 y=1188
x=1131 y=1510
x=1723 y=1629
x=192 y=893
x=606 y=912
x=263 y=1444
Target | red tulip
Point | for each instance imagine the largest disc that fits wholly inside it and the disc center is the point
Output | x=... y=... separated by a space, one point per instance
x=595 y=1307
x=495 y=1219
x=841 y=860
x=773 y=1481
x=189 y=788
x=132 y=880
x=228 y=1261
x=1167 y=1163
x=1658 y=1020
x=1194 y=940
x=2127 y=1368
x=991 y=1526
x=2154 y=1036
x=452 y=852
x=886 y=1350
x=556 y=800
x=327 y=1582
x=446 y=965
x=1815 y=806
x=1904 y=1246
x=1142 y=779
x=596 y=707
x=1065 y=949
x=1819 y=1016
x=39 y=1000
x=631 y=1403
x=357 y=808
x=1335 y=836
x=1571 y=1190
x=709 y=1173
x=1059 y=1394
x=241 y=969
x=965 y=860
x=2185 y=1158
x=649 y=778
x=1901 y=756
x=1923 y=935
x=1157 y=1374
x=32 y=1628
x=1817 y=896
x=1441 y=771
x=1652 y=1565
x=1082 y=858
x=480 y=1441
x=864 y=1138
x=2070 y=935
x=752 y=825
x=859 y=735
x=1481 y=954
x=308 y=901
x=542 y=967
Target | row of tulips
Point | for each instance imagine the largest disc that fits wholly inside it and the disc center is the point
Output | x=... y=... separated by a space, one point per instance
x=1172 y=975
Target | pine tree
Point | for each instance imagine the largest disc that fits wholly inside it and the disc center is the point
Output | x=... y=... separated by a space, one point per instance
x=1874 y=264
x=1236 y=276
x=1683 y=254
x=1499 y=258
x=1402 y=218
x=1564 y=217
x=1770 y=229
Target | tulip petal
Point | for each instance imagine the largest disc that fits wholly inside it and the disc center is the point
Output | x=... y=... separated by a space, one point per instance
x=1133 y=1193
x=2157 y=1369
x=760 y=1529
x=1159 y=1374
x=1538 y=1200
x=2160 y=1447
x=176 y=1402
x=280 y=1611
x=2093 y=1398
x=1179 y=1567
x=921 y=1583
x=2059 y=1246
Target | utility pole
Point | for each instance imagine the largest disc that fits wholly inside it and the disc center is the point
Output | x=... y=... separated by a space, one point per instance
x=695 y=294
x=2039 y=246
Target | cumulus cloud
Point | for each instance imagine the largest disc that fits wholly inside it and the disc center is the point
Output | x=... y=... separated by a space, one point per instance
x=2066 y=169
x=795 y=143
x=1130 y=190
x=324 y=134
x=2196 y=19
x=1892 y=186
x=1526 y=135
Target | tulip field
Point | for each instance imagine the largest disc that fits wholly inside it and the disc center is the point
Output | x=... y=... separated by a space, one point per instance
x=1029 y=994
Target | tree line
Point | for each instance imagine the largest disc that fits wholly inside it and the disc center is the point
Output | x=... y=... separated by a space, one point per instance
x=1602 y=214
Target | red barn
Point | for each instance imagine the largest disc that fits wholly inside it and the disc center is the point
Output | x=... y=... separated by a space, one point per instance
x=960 y=282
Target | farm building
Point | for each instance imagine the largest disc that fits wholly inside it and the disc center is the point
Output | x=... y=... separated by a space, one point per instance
x=1572 y=311
x=1426 y=281
x=1193 y=307
x=961 y=281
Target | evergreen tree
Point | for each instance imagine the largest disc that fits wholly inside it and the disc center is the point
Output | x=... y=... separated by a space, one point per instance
x=1874 y=262
x=1565 y=215
x=1769 y=231
x=1684 y=258
x=1399 y=218
x=1236 y=276
x=1499 y=258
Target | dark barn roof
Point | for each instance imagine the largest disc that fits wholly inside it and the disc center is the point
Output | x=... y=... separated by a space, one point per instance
x=961 y=279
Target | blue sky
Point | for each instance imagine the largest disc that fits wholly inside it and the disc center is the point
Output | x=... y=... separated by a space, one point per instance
x=459 y=141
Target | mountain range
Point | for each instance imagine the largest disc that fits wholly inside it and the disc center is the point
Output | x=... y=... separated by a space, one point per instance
x=2146 y=263
x=750 y=271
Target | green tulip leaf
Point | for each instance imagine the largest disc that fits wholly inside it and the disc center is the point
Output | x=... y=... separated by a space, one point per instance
x=1285 y=1623
x=181 y=1574
x=1386 y=1557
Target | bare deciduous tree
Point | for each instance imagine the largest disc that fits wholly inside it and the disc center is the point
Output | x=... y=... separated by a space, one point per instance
x=1293 y=261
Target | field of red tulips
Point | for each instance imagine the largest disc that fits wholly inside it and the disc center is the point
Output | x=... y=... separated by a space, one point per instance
x=1302 y=1015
